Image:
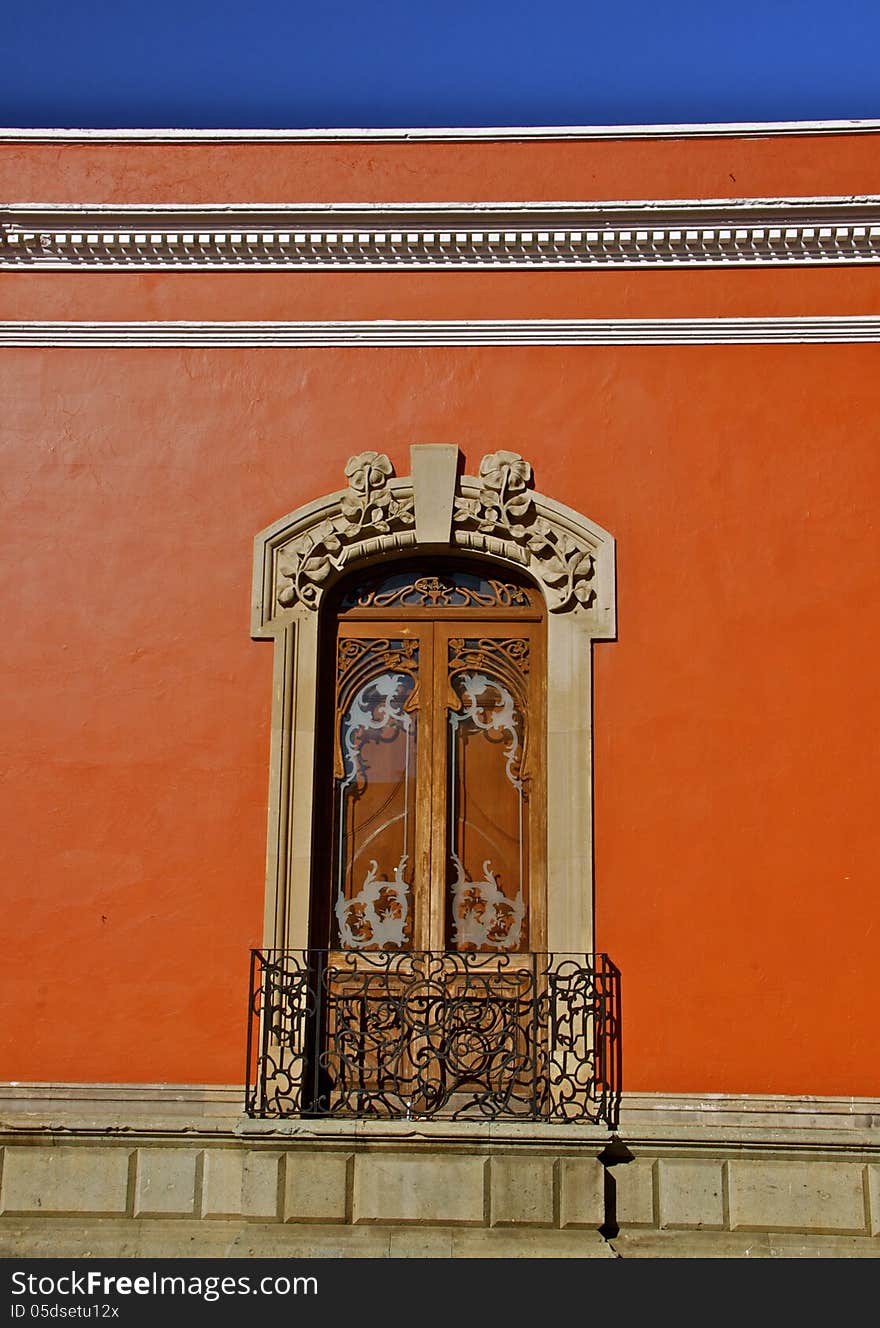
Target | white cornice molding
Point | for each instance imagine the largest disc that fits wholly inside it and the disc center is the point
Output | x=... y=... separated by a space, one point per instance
x=452 y=134
x=486 y=332
x=755 y=232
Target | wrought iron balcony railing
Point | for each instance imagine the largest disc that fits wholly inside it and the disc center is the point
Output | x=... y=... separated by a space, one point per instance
x=434 y=1035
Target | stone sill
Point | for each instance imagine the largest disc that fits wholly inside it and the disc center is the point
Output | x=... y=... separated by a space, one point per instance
x=214 y=1112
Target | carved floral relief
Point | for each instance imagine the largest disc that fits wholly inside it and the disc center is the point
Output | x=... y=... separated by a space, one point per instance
x=505 y=509
x=367 y=510
x=502 y=519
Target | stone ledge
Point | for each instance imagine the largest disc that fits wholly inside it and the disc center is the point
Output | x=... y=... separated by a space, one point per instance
x=638 y=1110
x=96 y=1099
x=739 y=1245
x=729 y=1111
x=34 y=1238
x=838 y=1135
x=124 y=1124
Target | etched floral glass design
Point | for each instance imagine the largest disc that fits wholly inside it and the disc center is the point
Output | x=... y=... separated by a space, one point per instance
x=375 y=785
x=487 y=823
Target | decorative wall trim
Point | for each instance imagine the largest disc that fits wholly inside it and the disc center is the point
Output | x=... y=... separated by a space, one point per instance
x=770 y=232
x=462 y=134
x=449 y=332
x=494 y=515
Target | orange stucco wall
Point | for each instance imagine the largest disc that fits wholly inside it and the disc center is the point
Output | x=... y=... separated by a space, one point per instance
x=736 y=715
x=418 y=172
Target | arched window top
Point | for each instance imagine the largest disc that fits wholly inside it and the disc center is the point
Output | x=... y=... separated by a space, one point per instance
x=437 y=584
x=495 y=515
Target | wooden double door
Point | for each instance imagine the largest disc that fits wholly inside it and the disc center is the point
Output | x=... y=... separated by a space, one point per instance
x=433 y=825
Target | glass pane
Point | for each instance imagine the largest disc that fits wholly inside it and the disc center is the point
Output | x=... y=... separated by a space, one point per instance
x=449 y=589
x=375 y=787
x=488 y=808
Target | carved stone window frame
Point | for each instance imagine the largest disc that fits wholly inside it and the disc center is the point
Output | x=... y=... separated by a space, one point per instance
x=432 y=512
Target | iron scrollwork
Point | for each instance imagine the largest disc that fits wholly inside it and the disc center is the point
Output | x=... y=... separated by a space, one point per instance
x=434 y=1035
x=439 y=592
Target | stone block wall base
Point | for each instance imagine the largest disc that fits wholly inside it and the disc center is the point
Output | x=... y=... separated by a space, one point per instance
x=741 y=1245
x=120 y=1238
x=683 y=1178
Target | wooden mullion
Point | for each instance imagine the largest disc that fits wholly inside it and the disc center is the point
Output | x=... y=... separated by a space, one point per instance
x=439 y=789
x=423 y=841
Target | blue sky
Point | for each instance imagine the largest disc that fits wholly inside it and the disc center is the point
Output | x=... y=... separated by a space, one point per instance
x=385 y=63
